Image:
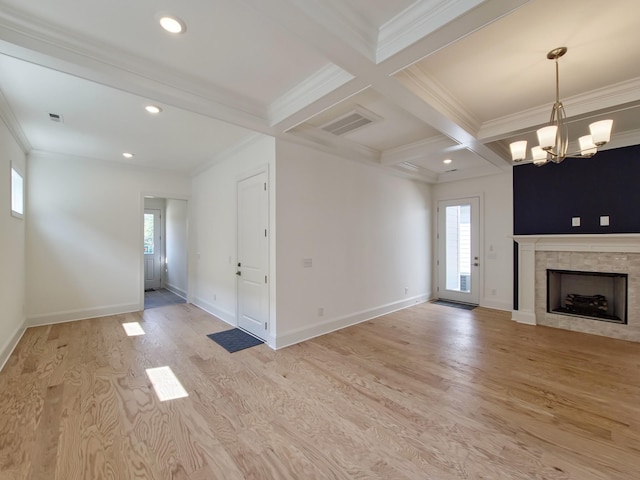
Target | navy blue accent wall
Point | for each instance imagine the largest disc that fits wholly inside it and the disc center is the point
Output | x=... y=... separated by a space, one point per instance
x=546 y=198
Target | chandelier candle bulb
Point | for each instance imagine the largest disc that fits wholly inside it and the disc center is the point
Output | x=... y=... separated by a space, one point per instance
x=601 y=132
x=587 y=147
x=518 y=150
x=539 y=156
x=547 y=136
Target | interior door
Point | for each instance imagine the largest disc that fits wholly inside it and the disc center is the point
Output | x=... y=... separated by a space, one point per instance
x=253 y=255
x=152 y=249
x=458 y=250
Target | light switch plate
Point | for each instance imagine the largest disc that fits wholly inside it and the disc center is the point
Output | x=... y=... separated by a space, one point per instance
x=575 y=221
x=604 y=221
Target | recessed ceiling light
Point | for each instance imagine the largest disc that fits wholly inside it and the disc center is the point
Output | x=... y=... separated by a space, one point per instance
x=172 y=24
x=127 y=155
x=447 y=161
x=153 y=109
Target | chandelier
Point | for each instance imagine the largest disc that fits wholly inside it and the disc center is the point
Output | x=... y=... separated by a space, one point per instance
x=554 y=139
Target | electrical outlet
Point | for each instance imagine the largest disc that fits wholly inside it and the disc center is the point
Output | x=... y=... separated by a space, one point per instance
x=406 y=290
x=494 y=292
x=321 y=311
x=214 y=297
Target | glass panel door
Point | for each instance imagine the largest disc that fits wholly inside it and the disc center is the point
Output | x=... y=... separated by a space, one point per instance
x=458 y=250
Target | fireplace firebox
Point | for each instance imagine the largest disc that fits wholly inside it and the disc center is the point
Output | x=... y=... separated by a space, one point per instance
x=595 y=295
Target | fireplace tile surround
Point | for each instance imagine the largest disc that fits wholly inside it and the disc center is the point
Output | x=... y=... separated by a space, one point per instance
x=589 y=253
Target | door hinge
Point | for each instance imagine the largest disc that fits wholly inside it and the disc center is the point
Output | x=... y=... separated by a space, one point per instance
x=265 y=279
x=265 y=232
x=265 y=186
x=265 y=325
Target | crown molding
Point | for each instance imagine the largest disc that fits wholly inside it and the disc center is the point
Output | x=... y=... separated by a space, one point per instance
x=321 y=83
x=416 y=150
x=10 y=120
x=417 y=21
x=340 y=18
x=469 y=173
x=335 y=144
x=228 y=153
x=415 y=172
x=419 y=82
x=32 y=40
x=603 y=99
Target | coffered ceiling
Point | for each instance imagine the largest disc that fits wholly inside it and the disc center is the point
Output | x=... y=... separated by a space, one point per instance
x=436 y=79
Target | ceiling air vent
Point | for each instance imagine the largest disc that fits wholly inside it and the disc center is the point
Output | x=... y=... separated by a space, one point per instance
x=54 y=117
x=351 y=121
x=410 y=166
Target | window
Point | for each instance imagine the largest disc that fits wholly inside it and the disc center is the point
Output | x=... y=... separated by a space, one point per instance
x=17 y=193
x=148 y=233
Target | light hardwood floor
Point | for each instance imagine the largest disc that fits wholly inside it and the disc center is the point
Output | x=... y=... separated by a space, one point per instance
x=430 y=392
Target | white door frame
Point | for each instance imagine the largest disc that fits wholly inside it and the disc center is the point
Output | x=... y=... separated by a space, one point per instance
x=141 y=241
x=478 y=278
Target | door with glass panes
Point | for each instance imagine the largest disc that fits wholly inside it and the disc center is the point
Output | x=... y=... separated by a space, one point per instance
x=458 y=250
x=152 y=249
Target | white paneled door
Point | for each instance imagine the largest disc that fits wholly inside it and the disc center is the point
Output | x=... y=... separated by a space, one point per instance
x=458 y=250
x=152 y=249
x=253 y=255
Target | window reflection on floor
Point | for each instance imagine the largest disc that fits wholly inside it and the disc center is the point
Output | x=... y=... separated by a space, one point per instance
x=133 y=329
x=166 y=384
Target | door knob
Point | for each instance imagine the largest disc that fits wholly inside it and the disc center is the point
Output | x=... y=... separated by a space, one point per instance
x=476 y=264
x=239 y=273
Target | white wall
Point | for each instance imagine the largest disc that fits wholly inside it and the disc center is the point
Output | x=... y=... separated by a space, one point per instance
x=176 y=215
x=368 y=235
x=497 y=228
x=213 y=234
x=12 y=249
x=84 y=235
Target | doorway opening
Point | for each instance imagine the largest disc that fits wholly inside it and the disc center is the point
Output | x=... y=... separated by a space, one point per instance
x=165 y=247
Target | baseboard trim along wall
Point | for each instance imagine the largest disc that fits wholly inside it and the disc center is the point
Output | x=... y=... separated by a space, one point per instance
x=496 y=305
x=331 y=325
x=178 y=291
x=10 y=345
x=224 y=315
x=82 y=314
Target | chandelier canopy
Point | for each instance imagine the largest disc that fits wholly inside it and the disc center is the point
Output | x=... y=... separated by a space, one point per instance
x=554 y=139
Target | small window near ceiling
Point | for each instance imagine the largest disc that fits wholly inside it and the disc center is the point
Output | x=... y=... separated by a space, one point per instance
x=17 y=193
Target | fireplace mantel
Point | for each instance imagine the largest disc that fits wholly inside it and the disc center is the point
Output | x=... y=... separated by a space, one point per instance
x=528 y=245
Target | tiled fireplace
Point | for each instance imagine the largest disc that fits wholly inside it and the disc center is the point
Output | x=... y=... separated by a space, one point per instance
x=615 y=256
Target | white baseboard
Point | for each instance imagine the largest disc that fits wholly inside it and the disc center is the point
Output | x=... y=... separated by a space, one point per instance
x=9 y=346
x=497 y=304
x=224 y=315
x=81 y=314
x=178 y=291
x=306 y=333
x=528 y=318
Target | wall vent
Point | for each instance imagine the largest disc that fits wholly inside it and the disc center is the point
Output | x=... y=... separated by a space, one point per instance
x=54 y=117
x=354 y=120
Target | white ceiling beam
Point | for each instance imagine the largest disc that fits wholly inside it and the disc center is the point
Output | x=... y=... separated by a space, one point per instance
x=324 y=39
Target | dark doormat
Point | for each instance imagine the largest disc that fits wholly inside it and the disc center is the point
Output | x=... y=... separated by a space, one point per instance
x=449 y=303
x=234 y=340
